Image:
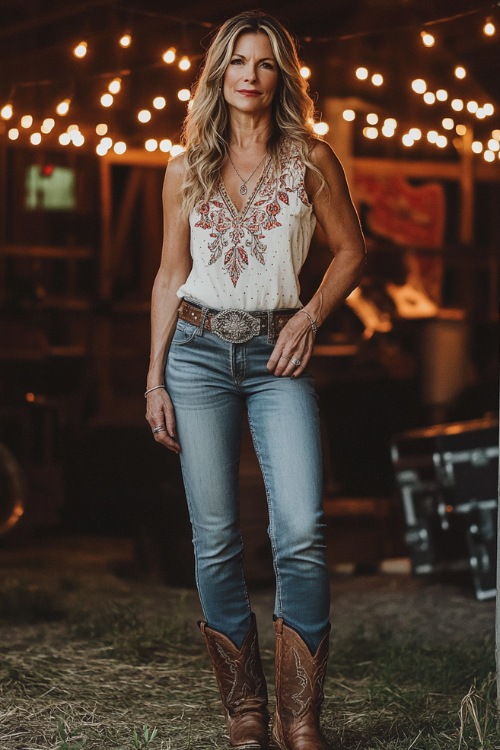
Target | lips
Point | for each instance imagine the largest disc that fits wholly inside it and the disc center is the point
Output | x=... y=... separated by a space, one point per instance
x=249 y=92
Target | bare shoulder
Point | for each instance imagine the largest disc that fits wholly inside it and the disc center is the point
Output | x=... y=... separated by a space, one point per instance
x=324 y=157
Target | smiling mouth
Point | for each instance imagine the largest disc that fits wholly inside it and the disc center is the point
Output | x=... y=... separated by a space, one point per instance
x=247 y=92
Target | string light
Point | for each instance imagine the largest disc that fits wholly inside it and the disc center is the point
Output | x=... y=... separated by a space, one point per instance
x=419 y=86
x=441 y=141
x=442 y=95
x=7 y=111
x=349 y=115
x=101 y=149
x=477 y=147
x=489 y=28
x=47 y=125
x=390 y=122
x=125 y=41
x=101 y=129
x=165 y=145
x=489 y=156
x=461 y=129
x=387 y=130
x=457 y=105
x=415 y=133
x=184 y=63
x=26 y=121
x=496 y=134
x=428 y=39
x=432 y=136
x=362 y=74
x=144 y=115
x=372 y=118
x=429 y=97
x=377 y=79
x=151 y=144
x=63 y=107
x=407 y=140
x=169 y=55
x=64 y=139
x=321 y=128
x=107 y=142
x=480 y=113
x=460 y=71
x=120 y=147
x=472 y=107
x=13 y=134
x=184 y=95
x=159 y=102
x=36 y=139
x=107 y=100
x=493 y=144
x=80 y=50
x=115 y=86
x=77 y=138
x=448 y=123
x=370 y=133
x=176 y=150
x=489 y=109
x=305 y=72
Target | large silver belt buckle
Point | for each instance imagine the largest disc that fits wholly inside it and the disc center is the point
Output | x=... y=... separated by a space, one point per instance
x=235 y=326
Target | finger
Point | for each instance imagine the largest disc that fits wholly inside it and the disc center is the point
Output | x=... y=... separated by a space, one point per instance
x=170 y=443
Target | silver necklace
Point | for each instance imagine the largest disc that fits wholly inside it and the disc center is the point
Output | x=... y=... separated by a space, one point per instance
x=243 y=186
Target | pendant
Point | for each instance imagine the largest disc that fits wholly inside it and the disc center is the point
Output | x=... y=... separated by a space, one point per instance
x=243 y=189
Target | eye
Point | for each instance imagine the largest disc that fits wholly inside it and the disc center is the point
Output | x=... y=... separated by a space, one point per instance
x=268 y=65
x=236 y=61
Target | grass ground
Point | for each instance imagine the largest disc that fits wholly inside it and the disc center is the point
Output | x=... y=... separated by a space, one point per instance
x=111 y=670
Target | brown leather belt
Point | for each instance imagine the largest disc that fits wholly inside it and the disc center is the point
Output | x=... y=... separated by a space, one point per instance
x=235 y=326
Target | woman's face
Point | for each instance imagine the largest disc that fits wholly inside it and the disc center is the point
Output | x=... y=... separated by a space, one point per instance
x=251 y=78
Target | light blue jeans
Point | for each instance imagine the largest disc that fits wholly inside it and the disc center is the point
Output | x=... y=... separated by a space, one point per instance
x=210 y=382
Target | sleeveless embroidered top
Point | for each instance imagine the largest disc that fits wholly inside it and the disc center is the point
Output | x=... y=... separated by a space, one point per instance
x=251 y=260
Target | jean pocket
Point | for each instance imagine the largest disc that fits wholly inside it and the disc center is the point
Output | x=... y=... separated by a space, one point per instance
x=184 y=333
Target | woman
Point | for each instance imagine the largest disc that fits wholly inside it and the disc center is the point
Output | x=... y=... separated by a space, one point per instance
x=240 y=206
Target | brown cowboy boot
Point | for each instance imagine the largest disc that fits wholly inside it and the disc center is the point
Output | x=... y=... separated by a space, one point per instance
x=242 y=686
x=300 y=677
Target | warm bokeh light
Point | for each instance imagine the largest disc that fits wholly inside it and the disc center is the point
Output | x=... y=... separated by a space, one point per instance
x=415 y=133
x=371 y=133
x=448 y=123
x=184 y=95
x=429 y=97
x=441 y=95
x=13 y=134
x=77 y=138
x=496 y=134
x=372 y=118
x=151 y=144
x=480 y=113
x=460 y=71
x=106 y=142
x=460 y=129
x=489 y=28
x=176 y=150
x=120 y=147
x=165 y=145
x=441 y=141
x=7 y=111
x=159 y=102
x=71 y=128
x=457 y=105
x=144 y=115
x=101 y=129
x=477 y=147
x=472 y=106
x=107 y=100
x=36 y=139
x=64 y=139
x=377 y=79
x=80 y=50
x=419 y=86
x=115 y=86
x=169 y=55
x=493 y=144
x=321 y=128
x=362 y=73
x=305 y=72
x=432 y=136
x=184 y=63
x=63 y=107
x=125 y=41
x=387 y=130
x=101 y=149
x=390 y=122
x=489 y=109
x=428 y=39
x=489 y=155
x=26 y=121
x=47 y=125
x=349 y=115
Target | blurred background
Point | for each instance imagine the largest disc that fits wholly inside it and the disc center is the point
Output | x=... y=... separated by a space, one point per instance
x=92 y=99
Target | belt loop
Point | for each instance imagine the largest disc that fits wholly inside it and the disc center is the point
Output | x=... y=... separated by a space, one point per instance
x=204 y=313
x=270 y=327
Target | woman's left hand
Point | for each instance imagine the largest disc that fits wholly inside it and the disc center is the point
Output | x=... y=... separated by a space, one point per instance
x=293 y=348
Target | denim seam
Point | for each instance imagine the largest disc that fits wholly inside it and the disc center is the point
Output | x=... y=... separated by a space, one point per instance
x=271 y=519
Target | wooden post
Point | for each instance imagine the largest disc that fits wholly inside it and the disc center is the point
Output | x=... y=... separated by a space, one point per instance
x=497 y=619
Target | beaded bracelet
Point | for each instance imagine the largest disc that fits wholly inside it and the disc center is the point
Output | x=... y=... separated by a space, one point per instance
x=154 y=388
x=314 y=327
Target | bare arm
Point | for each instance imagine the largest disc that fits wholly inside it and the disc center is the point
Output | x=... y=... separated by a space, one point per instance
x=174 y=269
x=337 y=217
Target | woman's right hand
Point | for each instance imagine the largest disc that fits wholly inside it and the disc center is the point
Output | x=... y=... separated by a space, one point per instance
x=160 y=413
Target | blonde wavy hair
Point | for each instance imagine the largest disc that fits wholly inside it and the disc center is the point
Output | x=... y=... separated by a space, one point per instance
x=205 y=133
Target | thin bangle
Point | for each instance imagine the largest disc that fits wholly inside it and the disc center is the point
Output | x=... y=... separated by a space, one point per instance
x=154 y=388
x=314 y=327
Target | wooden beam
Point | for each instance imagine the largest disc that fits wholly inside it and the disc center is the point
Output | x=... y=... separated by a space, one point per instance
x=466 y=233
x=105 y=260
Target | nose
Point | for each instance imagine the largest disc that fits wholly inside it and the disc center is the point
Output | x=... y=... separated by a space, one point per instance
x=250 y=74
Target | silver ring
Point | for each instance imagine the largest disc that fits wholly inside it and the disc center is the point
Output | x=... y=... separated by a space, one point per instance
x=158 y=429
x=295 y=362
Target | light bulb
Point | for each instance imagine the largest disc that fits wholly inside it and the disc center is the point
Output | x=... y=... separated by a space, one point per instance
x=305 y=72
x=26 y=121
x=460 y=129
x=489 y=28
x=493 y=144
x=349 y=115
x=419 y=86
x=107 y=100
x=7 y=111
x=390 y=122
x=80 y=50
x=362 y=74
x=460 y=71
x=47 y=125
x=377 y=79
x=101 y=149
x=165 y=145
x=370 y=133
x=101 y=129
x=442 y=95
x=107 y=142
x=36 y=139
x=428 y=39
x=78 y=138
x=415 y=133
x=159 y=102
x=115 y=86
x=477 y=147
x=169 y=55
x=372 y=118
x=64 y=139
x=448 y=123
x=176 y=150
x=472 y=106
x=13 y=134
x=488 y=109
x=125 y=41
x=184 y=63
x=489 y=155
x=63 y=107
x=441 y=141
x=321 y=128
x=144 y=115
x=184 y=95
x=457 y=105
x=407 y=140
x=432 y=136
x=151 y=144
x=120 y=147
x=429 y=97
